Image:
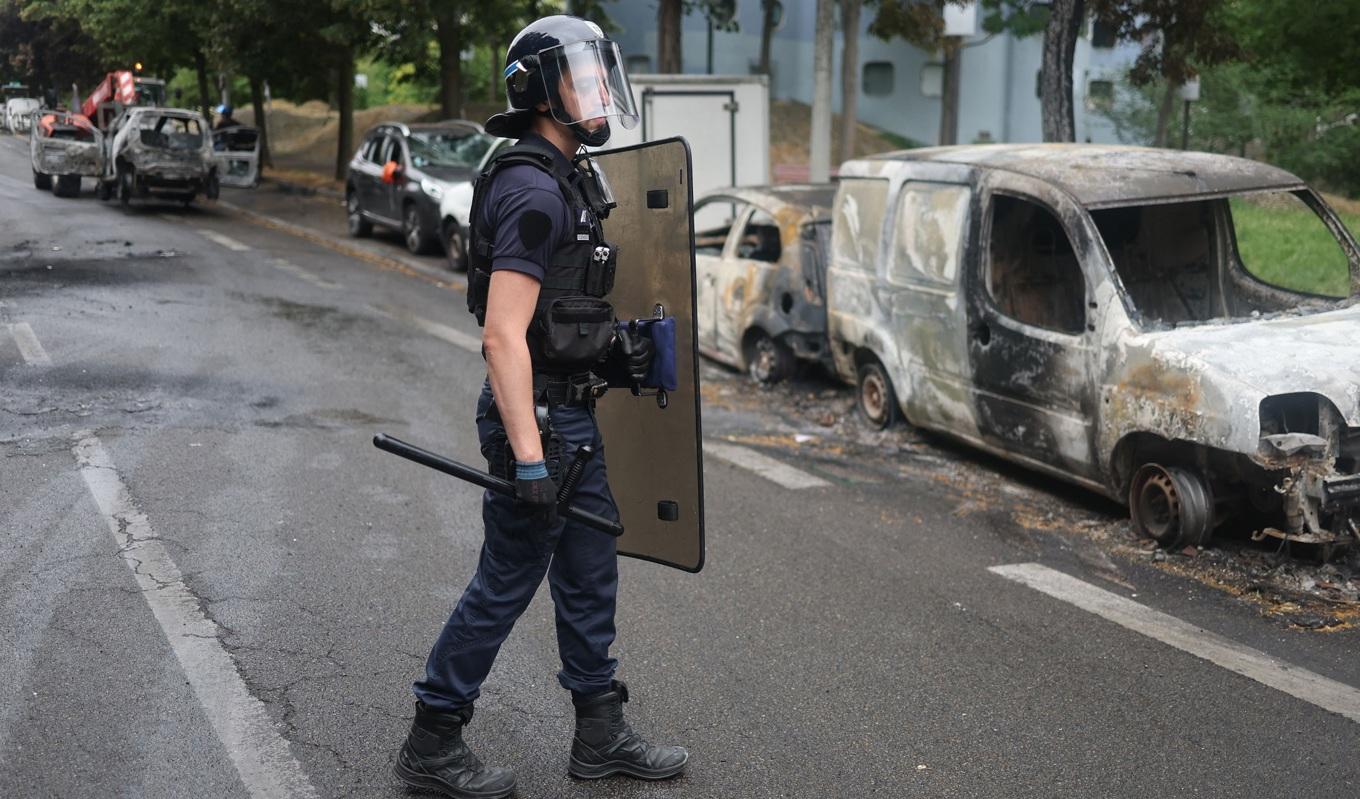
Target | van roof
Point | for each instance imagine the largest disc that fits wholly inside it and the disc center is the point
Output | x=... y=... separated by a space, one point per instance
x=1108 y=175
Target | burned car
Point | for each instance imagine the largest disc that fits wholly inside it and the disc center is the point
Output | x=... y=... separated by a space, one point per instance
x=1175 y=330
x=164 y=152
x=760 y=255
x=64 y=147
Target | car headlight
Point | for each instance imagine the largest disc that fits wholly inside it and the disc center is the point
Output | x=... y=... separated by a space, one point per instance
x=433 y=188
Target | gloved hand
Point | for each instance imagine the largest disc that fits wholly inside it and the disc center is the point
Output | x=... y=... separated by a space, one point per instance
x=536 y=492
x=634 y=353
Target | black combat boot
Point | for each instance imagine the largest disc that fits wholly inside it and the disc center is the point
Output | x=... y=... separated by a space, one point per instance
x=606 y=745
x=436 y=759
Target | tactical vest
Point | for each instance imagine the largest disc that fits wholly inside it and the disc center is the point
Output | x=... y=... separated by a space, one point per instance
x=572 y=324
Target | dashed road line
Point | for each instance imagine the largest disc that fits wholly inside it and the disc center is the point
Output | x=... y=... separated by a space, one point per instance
x=261 y=755
x=763 y=465
x=455 y=337
x=29 y=346
x=1299 y=683
x=225 y=241
x=298 y=272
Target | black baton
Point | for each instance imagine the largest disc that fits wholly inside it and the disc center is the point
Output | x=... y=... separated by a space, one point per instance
x=477 y=477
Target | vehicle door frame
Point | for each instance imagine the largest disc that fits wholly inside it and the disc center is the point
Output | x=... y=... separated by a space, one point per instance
x=708 y=268
x=737 y=314
x=929 y=397
x=391 y=193
x=365 y=173
x=1034 y=389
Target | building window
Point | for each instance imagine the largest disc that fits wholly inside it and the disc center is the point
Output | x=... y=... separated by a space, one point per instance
x=1099 y=95
x=1102 y=34
x=932 y=80
x=878 y=78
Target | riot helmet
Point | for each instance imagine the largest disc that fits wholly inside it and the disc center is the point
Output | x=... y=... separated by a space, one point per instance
x=568 y=64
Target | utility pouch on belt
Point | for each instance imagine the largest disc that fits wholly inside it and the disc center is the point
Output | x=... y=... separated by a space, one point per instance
x=573 y=334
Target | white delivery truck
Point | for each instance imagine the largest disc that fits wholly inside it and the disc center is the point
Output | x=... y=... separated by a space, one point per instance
x=726 y=119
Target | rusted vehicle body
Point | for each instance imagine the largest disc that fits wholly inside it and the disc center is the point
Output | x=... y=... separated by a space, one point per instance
x=1175 y=330
x=760 y=252
x=165 y=152
x=63 y=148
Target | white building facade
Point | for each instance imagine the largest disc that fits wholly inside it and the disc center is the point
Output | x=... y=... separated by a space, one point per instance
x=900 y=85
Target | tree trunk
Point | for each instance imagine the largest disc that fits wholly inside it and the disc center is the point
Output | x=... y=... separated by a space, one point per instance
x=450 y=35
x=767 y=21
x=1060 y=43
x=668 y=13
x=849 y=77
x=949 y=95
x=257 y=103
x=1164 y=109
x=204 y=100
x=344 y=99
x=819 y=147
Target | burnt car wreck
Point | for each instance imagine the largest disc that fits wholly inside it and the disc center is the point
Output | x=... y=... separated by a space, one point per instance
x=164 y=152
x=1175 y=330
x=760 y=256
x=63 y=148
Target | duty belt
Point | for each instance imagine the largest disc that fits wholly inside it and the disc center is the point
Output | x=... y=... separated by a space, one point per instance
x=570 y=390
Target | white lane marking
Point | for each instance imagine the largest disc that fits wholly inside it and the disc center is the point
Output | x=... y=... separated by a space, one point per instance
x=29 y=346
x=225 y=241
x=256 y=748
x=765 y=466
x=1300 y=683
x=455 y=337
x=298 y=272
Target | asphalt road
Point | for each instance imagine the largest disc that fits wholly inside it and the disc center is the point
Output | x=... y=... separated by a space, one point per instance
x=215 y=586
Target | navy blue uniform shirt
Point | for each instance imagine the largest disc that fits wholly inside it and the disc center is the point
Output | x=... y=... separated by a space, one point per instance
x=529 y=215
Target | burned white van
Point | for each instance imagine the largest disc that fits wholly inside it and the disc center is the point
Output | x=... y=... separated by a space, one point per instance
x=1175 y=330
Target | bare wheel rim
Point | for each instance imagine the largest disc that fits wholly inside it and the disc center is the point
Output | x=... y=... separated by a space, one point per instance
x=763 y=359
x=873 y=394
x=1157 y=505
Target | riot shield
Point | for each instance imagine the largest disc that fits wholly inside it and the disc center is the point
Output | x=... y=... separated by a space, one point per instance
x=654 y=453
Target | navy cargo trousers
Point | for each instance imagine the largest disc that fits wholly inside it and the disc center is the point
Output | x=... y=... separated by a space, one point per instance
x=582 y=568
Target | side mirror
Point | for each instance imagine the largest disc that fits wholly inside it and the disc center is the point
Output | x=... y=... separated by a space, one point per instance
x=391 y=172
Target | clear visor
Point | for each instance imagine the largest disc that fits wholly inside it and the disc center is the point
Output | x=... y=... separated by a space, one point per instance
x=586 y=83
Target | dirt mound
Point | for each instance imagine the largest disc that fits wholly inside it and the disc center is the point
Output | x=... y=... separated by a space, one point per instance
x=791 y=132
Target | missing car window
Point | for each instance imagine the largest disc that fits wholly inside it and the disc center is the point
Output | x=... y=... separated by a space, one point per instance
x=760 y=238
x=1032 y=271
x=1164 y=257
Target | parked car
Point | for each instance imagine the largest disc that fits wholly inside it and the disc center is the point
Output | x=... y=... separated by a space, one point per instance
x=64 y=147
x=400 y=174
x=236 y=152
x=1175 y=330
x=19 y=113
x=760 y=252
x=163 y=152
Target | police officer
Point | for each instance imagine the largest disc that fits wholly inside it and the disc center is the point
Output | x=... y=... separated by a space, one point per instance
x=225 y=119
x=539 y=270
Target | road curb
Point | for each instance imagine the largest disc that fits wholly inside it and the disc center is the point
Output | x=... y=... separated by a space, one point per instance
x=396 y=263
x=289 y=187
